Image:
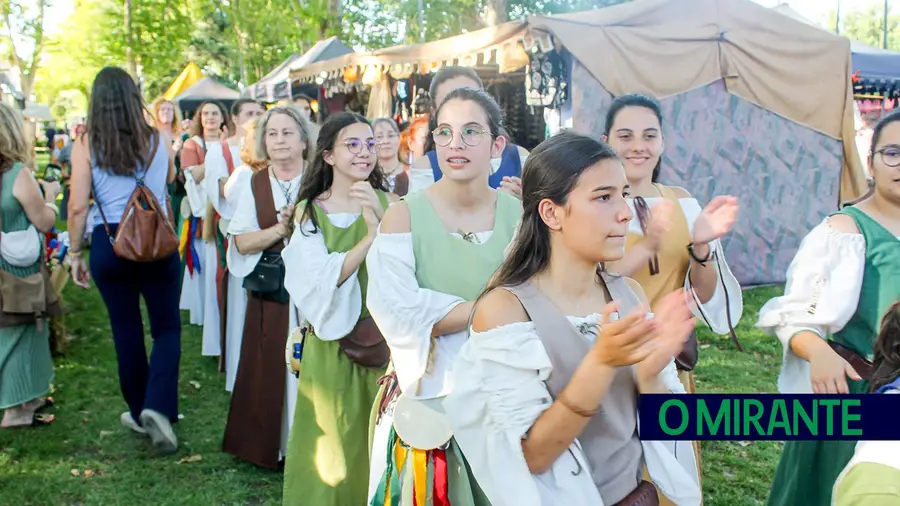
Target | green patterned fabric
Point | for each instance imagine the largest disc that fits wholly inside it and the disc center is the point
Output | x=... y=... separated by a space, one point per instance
x=808 y=469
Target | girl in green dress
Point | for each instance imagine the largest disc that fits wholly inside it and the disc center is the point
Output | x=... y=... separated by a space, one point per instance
x=342 y=199
x=27 y=207
x=437 y=251
x=841 y=282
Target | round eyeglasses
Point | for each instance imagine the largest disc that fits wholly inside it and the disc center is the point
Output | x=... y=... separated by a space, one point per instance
x=890 y=156
x=471 y=136
x=355 y=146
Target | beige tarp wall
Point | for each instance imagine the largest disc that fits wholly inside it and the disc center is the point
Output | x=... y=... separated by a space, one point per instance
x=666 y=47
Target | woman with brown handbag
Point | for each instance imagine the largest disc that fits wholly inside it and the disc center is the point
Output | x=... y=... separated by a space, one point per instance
x=120 y=155
x=26 y=366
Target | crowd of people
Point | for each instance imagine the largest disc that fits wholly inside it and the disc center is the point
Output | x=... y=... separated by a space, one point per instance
x=435 y=315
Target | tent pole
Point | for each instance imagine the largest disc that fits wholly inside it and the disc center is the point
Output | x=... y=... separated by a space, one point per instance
x=837 y=19
x=885 y=27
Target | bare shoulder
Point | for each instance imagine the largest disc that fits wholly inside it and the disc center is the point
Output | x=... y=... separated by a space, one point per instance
x=843 y=223
x=392 y=197
x=680 y=192
x=496 y=309
x=396 y=219
x=638 y=290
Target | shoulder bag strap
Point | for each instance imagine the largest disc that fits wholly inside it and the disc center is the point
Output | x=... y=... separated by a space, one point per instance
x=94 y=195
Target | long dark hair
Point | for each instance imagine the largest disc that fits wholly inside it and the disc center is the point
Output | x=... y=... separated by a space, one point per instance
x=484 y=100
x=550 y=172
x=319 y=175
x=119 y=135
x=635 y=100
x=886 y=363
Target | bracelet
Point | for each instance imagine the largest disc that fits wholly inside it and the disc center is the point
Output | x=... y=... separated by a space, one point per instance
x=578 y=411
x=53 y=207
x=74 y=253
x=697 y=259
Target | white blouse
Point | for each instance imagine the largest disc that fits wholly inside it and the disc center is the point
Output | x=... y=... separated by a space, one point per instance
x=498 y=399
x=406 y=314
x=217 y=169
x=820 y=295
x=714 y=308
x=312 y=275
x=245 y=221
x=237 y=182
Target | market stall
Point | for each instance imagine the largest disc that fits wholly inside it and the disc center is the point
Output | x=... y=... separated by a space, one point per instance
x=277 y=84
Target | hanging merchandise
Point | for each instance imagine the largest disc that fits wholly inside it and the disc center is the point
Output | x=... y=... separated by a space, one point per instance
x=546 y=80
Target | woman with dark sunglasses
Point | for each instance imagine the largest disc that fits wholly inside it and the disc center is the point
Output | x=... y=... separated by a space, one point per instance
x=342 y=200
x=434 y=255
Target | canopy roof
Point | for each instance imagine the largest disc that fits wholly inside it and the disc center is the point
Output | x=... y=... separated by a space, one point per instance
x=208 y=89
x=323 y=50
x=666 y=47
x=496 y=44
x=188 y=77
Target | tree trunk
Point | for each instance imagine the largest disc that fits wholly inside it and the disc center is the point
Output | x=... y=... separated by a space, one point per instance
x=497 y=12
x=331 y=25
x=27 y=69
x=129 y=40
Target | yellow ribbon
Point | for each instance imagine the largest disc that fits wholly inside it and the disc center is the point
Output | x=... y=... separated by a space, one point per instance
x=420 y=464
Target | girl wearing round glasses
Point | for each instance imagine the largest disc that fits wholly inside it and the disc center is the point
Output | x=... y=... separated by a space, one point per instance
x=342 y=200
x=506 y=166
x=436 y=252
x=387 y=135
x=840 y=284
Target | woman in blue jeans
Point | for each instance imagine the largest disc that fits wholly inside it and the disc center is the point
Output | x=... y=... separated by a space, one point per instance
x=108 y=160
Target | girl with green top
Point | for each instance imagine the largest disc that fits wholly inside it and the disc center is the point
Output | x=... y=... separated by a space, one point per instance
x=841 y=282
x=342 y=200
x=435 y=254
x=26 y=367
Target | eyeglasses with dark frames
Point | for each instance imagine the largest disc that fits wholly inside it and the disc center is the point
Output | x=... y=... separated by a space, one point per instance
x=890 y=155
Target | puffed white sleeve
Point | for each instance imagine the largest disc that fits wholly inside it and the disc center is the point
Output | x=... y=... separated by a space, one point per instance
x=236 y=183
x=821 y=294
x=216 y=169
x=244 y=221
x=311 y=277
x=405 y=312
x=499 y=393
x=728 y=295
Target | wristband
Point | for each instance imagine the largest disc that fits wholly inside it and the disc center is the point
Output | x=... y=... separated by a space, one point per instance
x=53 y=207
x=697 y=259
x=578 y=411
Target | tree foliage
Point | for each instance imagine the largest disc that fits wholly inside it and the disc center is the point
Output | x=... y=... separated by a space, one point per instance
x=240 y=41
x=867 y=26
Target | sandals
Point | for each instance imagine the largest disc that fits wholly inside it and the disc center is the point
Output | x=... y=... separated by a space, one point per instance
x=48 y=403
x=37 y=420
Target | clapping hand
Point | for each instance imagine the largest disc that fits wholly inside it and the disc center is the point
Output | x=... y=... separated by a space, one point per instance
x=673 y=324
x=716 y=220
x=284 y=220
x=622 y=342
x=372 y=211
x=659 y=224
x=512 y=185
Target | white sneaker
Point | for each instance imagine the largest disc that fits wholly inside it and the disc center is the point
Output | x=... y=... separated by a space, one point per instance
x=129 y=422
x=160 y=431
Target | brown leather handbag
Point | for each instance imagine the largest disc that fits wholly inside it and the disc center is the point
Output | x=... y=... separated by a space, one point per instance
x=365 y=345
x=644 y=495
x=145 y=233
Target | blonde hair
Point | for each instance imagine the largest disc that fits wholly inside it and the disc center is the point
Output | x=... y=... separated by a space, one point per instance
x=176 y=120
x=262 y=124
x=15 y=145
x=248 y=147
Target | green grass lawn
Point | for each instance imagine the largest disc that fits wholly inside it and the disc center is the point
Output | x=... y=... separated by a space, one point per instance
x=87 y=458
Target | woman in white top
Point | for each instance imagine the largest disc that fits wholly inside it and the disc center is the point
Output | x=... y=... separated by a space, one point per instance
x=199 y=287
x=435 y=254
x=237 y=183
x=544 y=404
x=220 y=163
x=262 y=401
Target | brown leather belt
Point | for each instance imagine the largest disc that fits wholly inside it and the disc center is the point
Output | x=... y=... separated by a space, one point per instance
x=863 y=366
x=644 y=495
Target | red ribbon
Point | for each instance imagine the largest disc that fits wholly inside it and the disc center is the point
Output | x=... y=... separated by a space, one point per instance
x=441 y=491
